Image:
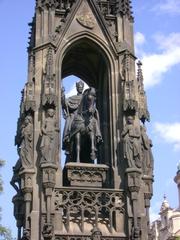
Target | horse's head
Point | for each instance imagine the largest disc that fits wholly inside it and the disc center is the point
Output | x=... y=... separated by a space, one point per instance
x=88 y=100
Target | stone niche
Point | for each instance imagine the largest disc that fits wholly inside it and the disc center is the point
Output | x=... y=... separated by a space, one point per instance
x=85 y=175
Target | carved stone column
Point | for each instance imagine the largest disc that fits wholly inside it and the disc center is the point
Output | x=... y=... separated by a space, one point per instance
x=134 y=182
x=18 y=201
x=48 y=181
x=148 y=180
x=27 y=190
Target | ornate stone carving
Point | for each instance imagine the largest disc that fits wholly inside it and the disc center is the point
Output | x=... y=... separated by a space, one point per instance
x=18 y=201
x=50 y=135
x=29 y=103
x=134 y=181
x=26 y=145
x=86 y=21
x=124 y=7
x=86 y=175
x=130 y=104
x=49 y=96
x=132 y=145
x=26 y=234
x=49 y=175
x=142 y=109
x=147 y=157
x=111 y=8
x=26 y=180
x=96 y=234
x=46 y=3
x=88 y=204
x=48 y=231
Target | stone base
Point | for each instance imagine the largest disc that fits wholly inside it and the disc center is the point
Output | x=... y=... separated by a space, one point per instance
x=86 y=175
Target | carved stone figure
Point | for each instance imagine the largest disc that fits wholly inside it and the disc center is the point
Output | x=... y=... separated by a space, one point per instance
x=132 y=147
x=84 y=133
x=49 y=143
x=47 y=231
x=69 y=107
x=26 y=146
x=147 y=156
x=26 y=234
x=96 y=234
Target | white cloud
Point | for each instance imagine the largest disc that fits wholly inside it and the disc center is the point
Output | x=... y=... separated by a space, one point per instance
x=168 y=6
x=155 y=65
x=170 y=133
x=139 y=39
x=167 y=42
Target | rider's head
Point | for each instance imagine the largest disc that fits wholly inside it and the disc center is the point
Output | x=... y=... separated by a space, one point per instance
x=80 y=86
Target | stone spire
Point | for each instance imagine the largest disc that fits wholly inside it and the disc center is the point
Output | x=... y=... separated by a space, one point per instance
x=143 y=109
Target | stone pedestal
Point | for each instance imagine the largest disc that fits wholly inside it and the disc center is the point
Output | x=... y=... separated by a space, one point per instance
x=86 y=175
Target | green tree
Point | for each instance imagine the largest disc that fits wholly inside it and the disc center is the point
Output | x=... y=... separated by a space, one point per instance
x=5 y=233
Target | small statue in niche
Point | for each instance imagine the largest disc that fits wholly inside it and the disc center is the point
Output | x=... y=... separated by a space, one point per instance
x=132 y=145
x=85 y=134
x=70 y=107
x=49 y=143
x=26 y=146
x=82 y=135
x=147 y=156
x=85 y=130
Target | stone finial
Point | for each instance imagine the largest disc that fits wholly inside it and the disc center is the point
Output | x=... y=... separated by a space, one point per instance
x=143 y=109
x=125 y=8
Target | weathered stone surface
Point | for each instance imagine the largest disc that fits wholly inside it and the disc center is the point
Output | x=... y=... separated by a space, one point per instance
x=86 y=175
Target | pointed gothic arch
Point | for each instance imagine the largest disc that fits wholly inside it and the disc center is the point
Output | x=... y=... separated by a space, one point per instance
x=85 y=58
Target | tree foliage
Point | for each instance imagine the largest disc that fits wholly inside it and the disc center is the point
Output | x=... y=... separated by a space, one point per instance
x=5 y=233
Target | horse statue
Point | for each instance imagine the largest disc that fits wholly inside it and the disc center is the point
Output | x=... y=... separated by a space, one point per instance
x=85 y=135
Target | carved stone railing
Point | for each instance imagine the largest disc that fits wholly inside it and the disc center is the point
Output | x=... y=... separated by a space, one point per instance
x=92 y=207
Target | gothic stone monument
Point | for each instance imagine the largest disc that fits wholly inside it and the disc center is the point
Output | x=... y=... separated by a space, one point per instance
x=104 y=189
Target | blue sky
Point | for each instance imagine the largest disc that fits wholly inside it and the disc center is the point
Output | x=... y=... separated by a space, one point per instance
x=157 y=38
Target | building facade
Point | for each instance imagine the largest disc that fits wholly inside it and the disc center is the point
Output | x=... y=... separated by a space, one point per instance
x=167 y=227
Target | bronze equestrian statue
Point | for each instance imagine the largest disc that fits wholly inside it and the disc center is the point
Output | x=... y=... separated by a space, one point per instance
x=84 y=132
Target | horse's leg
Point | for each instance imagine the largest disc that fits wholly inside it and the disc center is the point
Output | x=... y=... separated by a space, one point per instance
x=93 y=154
x=78 y=147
